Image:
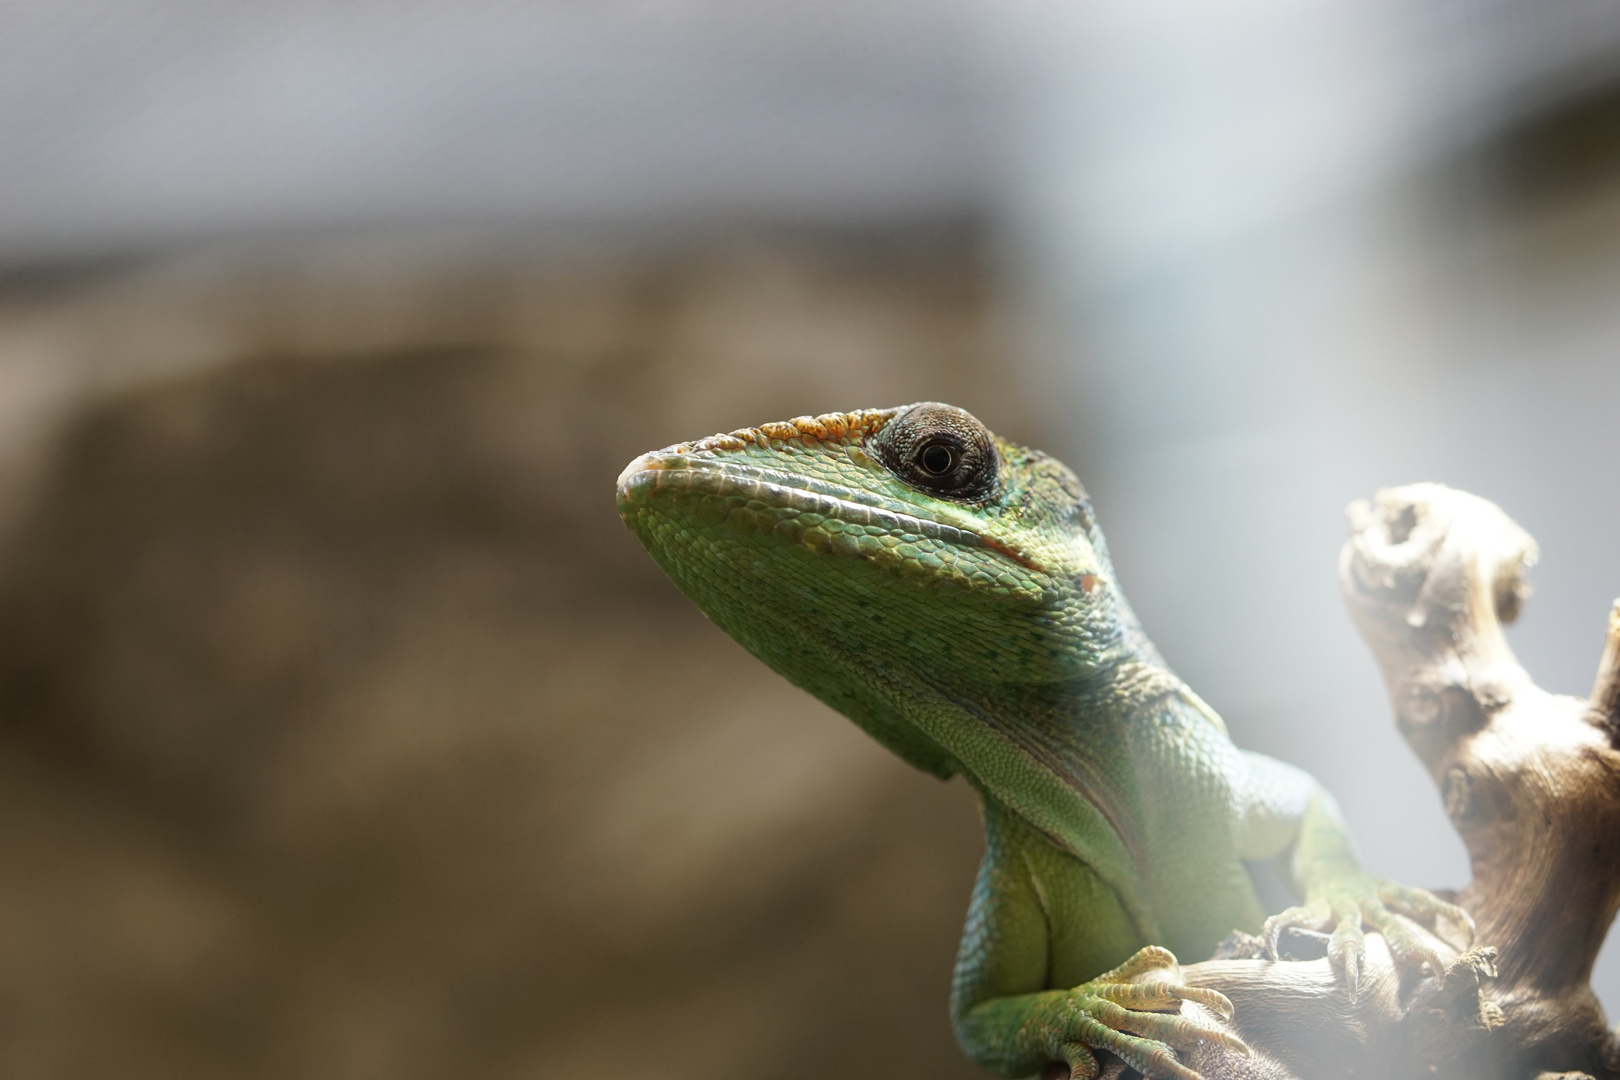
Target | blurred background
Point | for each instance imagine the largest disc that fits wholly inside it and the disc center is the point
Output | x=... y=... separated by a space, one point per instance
x=344 y=732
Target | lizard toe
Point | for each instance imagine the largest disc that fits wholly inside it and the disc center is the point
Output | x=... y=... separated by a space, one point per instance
x=1407 y=947
x=1422 y=906
x=1347 y=952
x=1081 y=1063
x=1313 y=916
x=1158 y=994
x=1153 y=1059
x=1148 y=958
x=1174 y=1031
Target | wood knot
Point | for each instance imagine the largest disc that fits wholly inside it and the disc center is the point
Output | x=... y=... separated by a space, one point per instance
x=1458 y=792
x=1421 y=707
x=1462 y=997
x=1240 y=945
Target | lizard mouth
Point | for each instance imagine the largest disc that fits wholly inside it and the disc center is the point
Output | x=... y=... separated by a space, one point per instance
x=788 y=505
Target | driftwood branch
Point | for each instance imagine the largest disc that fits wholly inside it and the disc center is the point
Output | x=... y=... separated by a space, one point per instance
x=1530 y=780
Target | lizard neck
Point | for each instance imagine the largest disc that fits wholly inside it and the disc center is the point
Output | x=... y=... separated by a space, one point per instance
x=1122 y=690
x=1097 y=734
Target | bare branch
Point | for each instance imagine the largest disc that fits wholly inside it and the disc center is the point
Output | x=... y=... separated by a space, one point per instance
x=1531 y=781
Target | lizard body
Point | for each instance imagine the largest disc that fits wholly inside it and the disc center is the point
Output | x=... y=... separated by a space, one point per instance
x=951 y=593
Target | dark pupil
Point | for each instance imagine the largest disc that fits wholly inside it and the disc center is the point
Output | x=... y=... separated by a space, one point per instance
x=937 y=458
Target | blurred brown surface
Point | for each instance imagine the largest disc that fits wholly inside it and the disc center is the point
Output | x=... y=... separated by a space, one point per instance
x=345 y=732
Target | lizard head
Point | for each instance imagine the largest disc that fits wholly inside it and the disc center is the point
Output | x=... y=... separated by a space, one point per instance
x=885 y=558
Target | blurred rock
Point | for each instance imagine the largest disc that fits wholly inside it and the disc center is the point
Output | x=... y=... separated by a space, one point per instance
x=345 y=732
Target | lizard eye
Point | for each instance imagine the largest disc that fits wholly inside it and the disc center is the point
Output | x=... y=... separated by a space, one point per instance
x=936 y=458
x=941 y=450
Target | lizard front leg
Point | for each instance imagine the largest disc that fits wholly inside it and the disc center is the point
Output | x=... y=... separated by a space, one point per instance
x=1038 y=980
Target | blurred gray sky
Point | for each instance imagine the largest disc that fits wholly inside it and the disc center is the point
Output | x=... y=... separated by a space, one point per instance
x=137 y=124
x=1268 y=256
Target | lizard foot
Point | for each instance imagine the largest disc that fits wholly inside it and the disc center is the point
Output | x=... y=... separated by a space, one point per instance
x=1348 y=903
x=1135 y=1021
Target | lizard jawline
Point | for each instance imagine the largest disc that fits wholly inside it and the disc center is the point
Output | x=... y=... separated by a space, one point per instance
x=778 y=489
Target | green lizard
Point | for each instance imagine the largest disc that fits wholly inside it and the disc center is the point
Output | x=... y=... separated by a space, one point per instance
x=951 y=593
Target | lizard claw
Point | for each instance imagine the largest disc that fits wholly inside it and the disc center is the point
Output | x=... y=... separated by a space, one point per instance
x=1347 y=952
x=1348 y=903
x=1424 y=907
x=1157 y=994
x=1138 y=1023
x=1315 y=916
